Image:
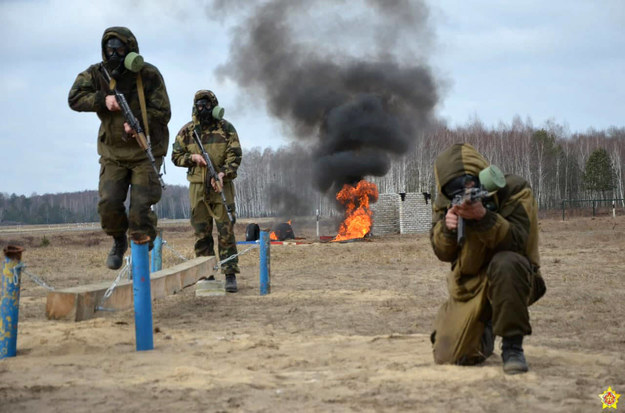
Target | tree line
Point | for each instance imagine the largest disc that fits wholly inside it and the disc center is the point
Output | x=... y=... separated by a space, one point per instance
x=559 y=165
x=74 y=207
x=278 y=182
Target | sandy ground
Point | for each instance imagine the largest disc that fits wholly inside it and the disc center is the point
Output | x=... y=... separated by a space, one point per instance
x=345 y=328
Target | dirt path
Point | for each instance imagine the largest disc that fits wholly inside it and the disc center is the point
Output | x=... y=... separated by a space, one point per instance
x=346 y=328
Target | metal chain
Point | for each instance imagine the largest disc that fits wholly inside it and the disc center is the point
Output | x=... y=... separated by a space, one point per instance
x=174 y=251
x=33 y=277
x=216 y=267
x=127 y=269
x=16 y=275
x=38 y=280
x=109 y=291
x=123 y=271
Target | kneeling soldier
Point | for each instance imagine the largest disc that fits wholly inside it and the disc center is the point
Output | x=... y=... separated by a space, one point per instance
x=492 y=245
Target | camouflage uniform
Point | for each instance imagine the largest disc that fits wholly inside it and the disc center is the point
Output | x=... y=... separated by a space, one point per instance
x=221 y=142
x=495 y=275
x=123 y=162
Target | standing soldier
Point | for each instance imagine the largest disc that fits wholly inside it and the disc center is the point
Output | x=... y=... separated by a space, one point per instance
x=221 y=142
x=123 y=163
x=494 y=262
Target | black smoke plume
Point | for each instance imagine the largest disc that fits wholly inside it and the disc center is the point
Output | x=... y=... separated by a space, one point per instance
x=347 y=80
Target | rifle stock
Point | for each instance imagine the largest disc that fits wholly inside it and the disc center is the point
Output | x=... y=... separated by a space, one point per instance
x=142 y=140
x=213 y=174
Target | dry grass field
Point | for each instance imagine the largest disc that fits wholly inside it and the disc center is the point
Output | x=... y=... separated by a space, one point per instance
x=345 y=328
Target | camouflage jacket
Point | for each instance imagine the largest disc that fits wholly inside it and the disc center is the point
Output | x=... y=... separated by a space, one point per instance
x=88 y=95
x=512 y=226
x=220 y=141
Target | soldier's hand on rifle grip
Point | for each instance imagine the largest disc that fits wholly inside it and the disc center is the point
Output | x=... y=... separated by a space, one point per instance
x=217 y=186
x=451 y=219
x=111 y=103
x=198 y=159
x=471 y=210
x=129 y=131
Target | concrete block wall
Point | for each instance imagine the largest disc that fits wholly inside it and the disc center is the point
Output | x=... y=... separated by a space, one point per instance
x=386 y=214
x=415 y=216
x=397 y=214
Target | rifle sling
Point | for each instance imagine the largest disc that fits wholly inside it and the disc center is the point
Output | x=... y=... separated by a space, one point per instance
x=112 y=84
x=144 y=112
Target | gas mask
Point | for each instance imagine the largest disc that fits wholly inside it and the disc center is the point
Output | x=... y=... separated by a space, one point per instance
x=118 y=58
x=490 y=179
x=459 y=184
x=207 y=112
x=115 y=51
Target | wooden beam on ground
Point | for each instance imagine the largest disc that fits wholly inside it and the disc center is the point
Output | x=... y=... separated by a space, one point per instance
x=81 y=303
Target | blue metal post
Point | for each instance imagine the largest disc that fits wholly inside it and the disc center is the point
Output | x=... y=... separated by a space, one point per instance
x=265 y=265
x=142 y=296
x=157 y=252
x=10 y=301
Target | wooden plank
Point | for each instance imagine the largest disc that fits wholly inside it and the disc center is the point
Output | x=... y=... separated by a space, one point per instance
x=82 y=302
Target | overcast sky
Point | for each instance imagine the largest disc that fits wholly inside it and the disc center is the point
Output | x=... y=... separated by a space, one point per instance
x=558 y=60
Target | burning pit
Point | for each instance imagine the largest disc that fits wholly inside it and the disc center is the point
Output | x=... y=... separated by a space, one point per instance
x=358 y=216
x=282 y=232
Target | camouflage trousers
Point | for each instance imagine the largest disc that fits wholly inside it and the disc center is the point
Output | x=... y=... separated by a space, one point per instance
x=145 y=191
x=205 y=209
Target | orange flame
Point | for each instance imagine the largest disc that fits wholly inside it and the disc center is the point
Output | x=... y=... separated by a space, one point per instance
x=355 y=199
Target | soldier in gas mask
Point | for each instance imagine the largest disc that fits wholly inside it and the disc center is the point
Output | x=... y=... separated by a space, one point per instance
x=495 y=268
x=123 y=163
x=221 y=142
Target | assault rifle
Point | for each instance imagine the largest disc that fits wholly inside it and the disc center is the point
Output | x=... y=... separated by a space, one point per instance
x=213 y=174
x=471 y=195
x=134 y=124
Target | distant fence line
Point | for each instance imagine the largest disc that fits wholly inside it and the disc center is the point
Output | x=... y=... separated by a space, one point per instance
x=592 y=203
x=78 y=226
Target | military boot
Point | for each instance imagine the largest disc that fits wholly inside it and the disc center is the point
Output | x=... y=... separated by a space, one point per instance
x=512 y=355
x=116 y=255
x=231 y=283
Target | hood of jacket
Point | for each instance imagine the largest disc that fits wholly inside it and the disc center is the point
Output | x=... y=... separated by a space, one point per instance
x=202 y=94
x=457 y=160
x=122 y=33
